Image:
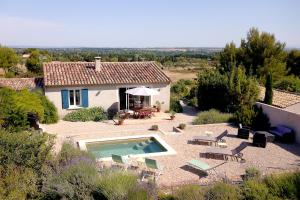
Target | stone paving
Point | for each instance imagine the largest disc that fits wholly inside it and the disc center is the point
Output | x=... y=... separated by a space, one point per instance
x=275 y=157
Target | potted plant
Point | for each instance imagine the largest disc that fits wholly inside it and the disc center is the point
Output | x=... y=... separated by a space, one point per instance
x=158 y=106
x=154 y=128
x=172 y=116
x=119 y=118
x=182 y=126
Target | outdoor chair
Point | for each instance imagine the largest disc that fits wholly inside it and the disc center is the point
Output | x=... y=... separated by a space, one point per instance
x=202 y=166
x=153 y=169
x=209 y=139
x=121 y=161
x=243 y=132
x=283 y=133
x=226 y=153
x=260 y=139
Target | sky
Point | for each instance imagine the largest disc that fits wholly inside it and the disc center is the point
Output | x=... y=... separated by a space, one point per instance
x=142 y=23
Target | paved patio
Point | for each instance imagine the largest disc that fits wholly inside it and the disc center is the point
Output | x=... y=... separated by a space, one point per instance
x=276 y=157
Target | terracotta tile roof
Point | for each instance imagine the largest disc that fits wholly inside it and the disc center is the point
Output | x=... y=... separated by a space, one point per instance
x=84 y=73
x=21 y=83
x=281 y=99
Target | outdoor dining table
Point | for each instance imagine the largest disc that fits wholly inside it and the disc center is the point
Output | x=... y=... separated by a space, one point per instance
x=142 y=112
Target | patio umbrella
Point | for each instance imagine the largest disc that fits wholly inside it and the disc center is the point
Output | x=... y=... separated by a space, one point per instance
x=142 y=91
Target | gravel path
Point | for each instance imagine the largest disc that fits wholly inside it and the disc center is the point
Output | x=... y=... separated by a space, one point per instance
x=275 y=157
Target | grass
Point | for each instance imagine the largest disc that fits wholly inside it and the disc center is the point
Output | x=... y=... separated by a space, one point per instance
x=212 y=116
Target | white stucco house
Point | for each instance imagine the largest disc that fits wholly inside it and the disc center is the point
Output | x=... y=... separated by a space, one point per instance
x=73 y=85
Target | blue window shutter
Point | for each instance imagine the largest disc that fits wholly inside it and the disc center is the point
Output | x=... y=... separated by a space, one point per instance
x=65 y=99
x=85 y=98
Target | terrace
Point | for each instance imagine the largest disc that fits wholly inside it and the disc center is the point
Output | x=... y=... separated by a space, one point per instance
x=287 y=157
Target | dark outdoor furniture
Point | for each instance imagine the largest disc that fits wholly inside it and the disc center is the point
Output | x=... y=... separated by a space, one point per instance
x=142 y=113
x=283 y=133
x=243 y=132
x=260 y=139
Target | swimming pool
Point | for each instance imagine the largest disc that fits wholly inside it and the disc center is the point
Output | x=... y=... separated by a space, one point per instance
x=135 y=146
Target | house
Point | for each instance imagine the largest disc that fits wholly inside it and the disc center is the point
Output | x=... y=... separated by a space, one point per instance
x=284 y=100
x=73 y=85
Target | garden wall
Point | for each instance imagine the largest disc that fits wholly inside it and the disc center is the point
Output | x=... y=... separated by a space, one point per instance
x=279 y=116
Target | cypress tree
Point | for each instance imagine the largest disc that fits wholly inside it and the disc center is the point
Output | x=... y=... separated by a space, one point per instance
x=269 y=90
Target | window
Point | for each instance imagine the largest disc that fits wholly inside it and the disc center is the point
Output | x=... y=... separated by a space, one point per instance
x=75 y=97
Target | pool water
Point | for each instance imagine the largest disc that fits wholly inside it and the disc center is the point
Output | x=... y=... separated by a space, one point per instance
x=125 y=147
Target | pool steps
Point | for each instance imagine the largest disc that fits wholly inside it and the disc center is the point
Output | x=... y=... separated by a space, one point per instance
x=141 y=145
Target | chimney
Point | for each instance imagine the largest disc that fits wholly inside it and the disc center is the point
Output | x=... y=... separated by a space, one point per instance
x=97 y=64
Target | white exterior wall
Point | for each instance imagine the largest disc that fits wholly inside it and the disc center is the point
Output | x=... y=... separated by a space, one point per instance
x=294 y=108
x=279 y=116
x=106 y=96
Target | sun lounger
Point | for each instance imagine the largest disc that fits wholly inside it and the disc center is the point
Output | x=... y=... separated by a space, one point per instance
x=153 y=168
x=209 y=139
x=234 y=153
x=120 y=161
x=202 y=166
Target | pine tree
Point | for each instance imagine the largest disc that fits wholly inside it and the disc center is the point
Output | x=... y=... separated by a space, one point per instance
x=269 y=90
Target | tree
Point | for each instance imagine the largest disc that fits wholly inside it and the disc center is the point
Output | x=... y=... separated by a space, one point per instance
x=261 y=49
x=212 y=91
x=293 y=63
x=269 y=90
x=8 y=58
x=260 y=53
x=34 y=63
x=228 y=57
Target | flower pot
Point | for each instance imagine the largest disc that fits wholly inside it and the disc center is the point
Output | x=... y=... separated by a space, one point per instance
x=121 y=122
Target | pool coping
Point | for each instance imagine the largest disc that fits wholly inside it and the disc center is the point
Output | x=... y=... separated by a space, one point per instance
x=170 y=150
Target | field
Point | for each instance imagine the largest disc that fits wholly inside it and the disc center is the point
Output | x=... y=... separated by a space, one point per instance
x=176 y=75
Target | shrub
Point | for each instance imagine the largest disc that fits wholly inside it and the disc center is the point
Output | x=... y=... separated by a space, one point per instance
x=163 y=196
x=75 y=176
x=226 y=92
x=255 y=190
x=244 y=115
x=222 y=191
x=27 y=149
x=175 y=105
x=193 y=102
x=115 y=185
x=71 y=155
x=189 y=192
x=17 y=183
x=184 y=89
x=260 y=120
x=15 y=106
x=86 y=114
x=182 y=126
x=288 y=83
x=15 y=120
x=212 y=116
x=285 y=185
x=212 y=91
x=138 y=194
x=50 y=112
x=252 y=173
x=72 y=182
